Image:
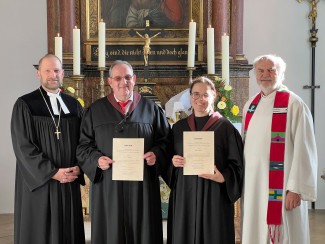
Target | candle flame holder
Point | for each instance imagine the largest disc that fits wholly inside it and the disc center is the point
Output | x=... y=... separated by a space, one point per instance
x=211 y=76
x=190 y=71
x=101 y=83
x=77 y=79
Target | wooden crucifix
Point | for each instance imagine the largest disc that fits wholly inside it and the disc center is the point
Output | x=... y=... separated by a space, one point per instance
x=147 y=35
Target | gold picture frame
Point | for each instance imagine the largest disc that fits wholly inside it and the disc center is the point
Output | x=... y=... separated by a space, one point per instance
x=119 y=37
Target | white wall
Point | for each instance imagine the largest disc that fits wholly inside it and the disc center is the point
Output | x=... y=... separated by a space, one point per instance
x=23 y=26
x=273 y=26
x=282 y=28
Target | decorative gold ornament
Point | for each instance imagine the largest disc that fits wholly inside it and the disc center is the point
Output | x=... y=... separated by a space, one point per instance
x=313 y=13
x=145 y=89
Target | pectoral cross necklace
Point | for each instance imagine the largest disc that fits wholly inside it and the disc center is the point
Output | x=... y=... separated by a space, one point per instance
x=57 y=132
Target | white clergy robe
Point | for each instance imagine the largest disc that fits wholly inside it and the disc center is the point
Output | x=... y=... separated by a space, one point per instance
x=300 y=172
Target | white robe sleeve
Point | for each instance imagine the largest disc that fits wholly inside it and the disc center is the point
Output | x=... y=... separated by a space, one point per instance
x=302 y=177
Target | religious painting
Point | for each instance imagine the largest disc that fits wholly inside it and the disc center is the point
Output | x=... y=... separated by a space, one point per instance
x=132 y=13
x=170 y=17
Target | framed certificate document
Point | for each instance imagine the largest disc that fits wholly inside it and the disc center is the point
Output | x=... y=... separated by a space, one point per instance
x=128 y=157
x=198 y=152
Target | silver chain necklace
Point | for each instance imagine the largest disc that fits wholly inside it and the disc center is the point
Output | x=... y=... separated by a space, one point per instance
x=57 y=132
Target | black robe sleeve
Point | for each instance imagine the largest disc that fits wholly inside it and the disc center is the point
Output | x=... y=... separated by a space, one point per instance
x=87 y=152
x=233 y=172
x=161 y=143
x=34 y=166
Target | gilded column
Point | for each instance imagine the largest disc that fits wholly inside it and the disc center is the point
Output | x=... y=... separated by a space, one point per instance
x=219 y=21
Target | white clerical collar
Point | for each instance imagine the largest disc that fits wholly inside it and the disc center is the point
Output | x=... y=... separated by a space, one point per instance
x=130 y=99
x=53 y=98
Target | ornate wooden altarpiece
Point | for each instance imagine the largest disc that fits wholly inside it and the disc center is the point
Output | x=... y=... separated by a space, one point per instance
x=168 y=58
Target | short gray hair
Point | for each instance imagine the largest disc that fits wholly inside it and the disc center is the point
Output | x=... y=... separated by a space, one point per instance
x=278 y=62
x=118 y=62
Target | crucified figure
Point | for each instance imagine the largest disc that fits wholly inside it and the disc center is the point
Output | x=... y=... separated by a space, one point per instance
x=313 y=12
x=146 y=47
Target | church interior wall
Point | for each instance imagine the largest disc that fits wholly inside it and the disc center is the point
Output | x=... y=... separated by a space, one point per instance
x=23 y=41
x=279 y=27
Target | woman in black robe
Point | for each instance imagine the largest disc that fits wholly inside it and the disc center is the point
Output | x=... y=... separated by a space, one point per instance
x=201 y=208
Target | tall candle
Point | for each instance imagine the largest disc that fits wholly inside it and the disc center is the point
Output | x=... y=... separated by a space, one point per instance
x=191 y=44
x=225 y=58
x=76 y=51
x=58 y=47
x=101 y=44
x=210 y=50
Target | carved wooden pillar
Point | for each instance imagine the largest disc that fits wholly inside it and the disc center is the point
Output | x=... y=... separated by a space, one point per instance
x=234 y=29
x=219 y=21
x=61 y=19
x=239 y=13
x=67 y=23
x=53 y=23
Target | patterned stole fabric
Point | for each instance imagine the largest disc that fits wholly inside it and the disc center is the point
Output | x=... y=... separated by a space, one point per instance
x=277 y=149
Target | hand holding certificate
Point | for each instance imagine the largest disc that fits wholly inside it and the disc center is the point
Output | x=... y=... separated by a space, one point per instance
x=198 y=152
x=128 y=158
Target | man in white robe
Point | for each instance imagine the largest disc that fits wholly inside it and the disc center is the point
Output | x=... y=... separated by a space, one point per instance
x=300 y=162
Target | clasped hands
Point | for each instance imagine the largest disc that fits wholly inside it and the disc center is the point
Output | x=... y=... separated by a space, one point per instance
x=105 y=162
x=178 y=161
x=66 y=175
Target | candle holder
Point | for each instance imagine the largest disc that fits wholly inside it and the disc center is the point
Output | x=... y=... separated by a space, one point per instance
x=101 y=83
x=77 y=79
x=190 y=70
x=211 y=76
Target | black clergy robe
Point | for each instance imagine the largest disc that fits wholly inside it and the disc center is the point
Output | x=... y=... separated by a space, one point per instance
x=124 y=212
x=46 y=211
x=201 y=211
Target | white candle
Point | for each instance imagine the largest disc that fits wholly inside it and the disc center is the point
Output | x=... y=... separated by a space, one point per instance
x=58 y=47
x=101 y=44
x=76 y=51
x=210 y=50
x=225 y=58
x=191 y=44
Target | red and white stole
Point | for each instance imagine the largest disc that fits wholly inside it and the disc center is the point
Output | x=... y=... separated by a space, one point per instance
x=277 y=149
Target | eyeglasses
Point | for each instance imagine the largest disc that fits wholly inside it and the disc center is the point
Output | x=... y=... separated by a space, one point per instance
x=196 y=95
x=119 y=78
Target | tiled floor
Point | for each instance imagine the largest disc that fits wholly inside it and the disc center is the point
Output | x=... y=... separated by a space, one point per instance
x=316 y=221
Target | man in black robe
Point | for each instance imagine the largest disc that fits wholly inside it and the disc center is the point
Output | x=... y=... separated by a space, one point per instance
x=123 y=212
x=45 y=131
